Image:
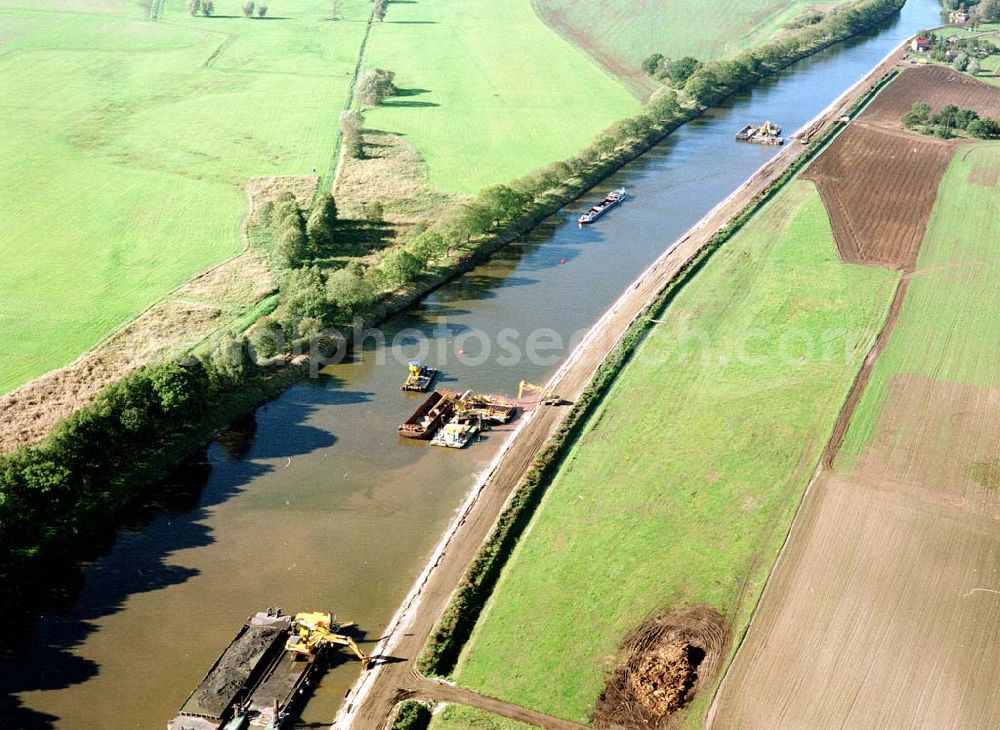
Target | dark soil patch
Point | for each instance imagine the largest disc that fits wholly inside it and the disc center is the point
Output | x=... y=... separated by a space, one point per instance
x=935 y=85
x=878 y=187
x=662 y=665
x=984 y=175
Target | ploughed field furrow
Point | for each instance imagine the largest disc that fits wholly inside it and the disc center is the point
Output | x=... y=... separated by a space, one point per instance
x=935 y=85
x=879 y=189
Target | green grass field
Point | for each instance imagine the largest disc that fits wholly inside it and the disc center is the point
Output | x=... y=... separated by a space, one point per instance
x=490 y=93
x=461 y=716
x=627 y=32
x=958 y=274
x=125 y=145
x=684 y=482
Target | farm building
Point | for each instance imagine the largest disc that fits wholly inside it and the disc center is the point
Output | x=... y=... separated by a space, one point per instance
x=920 y=44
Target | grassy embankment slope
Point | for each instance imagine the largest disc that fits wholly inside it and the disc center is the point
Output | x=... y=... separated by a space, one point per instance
x=623 y=33
x=947 y=329
x=125 y=145
x=489 y=93
x=682 y=486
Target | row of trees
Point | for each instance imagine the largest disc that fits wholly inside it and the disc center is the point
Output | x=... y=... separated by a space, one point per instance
x=249 y=6
x=950 y=120
x=675 y=72
x=298 y=237
x=715 y=80
x=207 y=8
x=76 y=480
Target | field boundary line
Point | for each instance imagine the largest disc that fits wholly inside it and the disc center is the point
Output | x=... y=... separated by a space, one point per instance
x=329 y=179
x=214 y=56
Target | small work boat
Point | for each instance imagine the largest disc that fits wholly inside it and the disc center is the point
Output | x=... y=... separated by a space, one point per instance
x=456 y=434
x=610 y=201
x=429 y=417
x=419 y=377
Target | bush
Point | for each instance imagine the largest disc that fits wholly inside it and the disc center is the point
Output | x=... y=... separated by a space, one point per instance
x=375 y=86
x=920 y=113
x=303 y=293
x=248 y=9
x=412 y=715
x=267 y=339
x=349 y=293
x=375 y=212
x=399 y=268
x=292 y=245
x=352 y=123
x=428 y=246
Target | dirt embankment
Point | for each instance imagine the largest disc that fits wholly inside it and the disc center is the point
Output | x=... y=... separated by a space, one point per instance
x=662 y=665
x=168 y=328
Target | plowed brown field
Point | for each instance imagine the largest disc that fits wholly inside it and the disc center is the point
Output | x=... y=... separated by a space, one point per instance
x=879 y=182
x=883 y=613
x=878 y=187
x=935 y=85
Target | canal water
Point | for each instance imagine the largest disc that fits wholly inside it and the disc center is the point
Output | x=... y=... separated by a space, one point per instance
x=315 y=503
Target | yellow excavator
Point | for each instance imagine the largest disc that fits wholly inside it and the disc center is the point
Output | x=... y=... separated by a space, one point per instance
x=548 y=397
x=312 y=630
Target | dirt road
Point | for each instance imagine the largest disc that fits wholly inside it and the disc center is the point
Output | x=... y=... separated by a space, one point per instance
x=371 y=701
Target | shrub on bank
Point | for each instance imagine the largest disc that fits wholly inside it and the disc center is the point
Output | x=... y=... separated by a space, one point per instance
x=412 y=715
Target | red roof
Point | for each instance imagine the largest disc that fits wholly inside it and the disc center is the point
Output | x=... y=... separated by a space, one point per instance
x=922 y=41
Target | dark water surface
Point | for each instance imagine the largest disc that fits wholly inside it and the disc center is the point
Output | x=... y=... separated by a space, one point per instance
x=314 y=503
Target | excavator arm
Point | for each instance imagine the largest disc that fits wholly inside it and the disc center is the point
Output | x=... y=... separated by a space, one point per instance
x=548 y=398
x=351 y=644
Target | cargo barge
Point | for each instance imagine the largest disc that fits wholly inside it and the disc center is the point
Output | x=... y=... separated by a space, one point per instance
x=610 y=201
x=260 y=679
x=429 y=417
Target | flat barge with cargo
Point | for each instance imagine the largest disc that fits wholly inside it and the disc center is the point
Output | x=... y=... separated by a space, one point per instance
x=261 y=679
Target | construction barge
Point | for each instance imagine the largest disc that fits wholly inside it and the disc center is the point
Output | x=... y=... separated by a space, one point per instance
x=468 y=413
x=418 y=377
x=261 y=678
x=766 y=134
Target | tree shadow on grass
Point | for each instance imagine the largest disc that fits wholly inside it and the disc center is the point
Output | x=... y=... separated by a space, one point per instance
x=410 y=92
x=414 y=104
x=357 y=237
